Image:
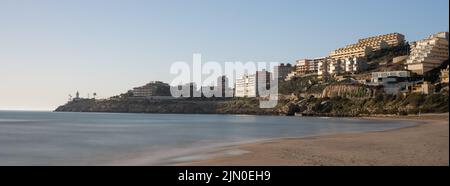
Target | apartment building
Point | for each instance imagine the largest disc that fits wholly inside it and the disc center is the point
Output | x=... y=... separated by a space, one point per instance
x=444 y=75
x=366 y=45
x=386 y=40
x=247 y=85
x=428 y=53
x=393 y=82
x=307 y=66
x=283 y=70
x=355 y=64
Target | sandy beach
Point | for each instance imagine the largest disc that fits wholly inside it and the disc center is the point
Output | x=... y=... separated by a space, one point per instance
x=424 y=144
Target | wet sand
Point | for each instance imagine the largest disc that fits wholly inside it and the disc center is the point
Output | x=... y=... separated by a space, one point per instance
x=424 y=144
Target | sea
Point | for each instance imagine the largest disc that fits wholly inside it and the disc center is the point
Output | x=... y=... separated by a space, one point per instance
x=71 y=138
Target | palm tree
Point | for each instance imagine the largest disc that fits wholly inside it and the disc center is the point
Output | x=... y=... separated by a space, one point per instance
x=94 y=94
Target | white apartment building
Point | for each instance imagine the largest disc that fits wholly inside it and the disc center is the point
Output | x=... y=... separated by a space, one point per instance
x=331 y=66
x=322 y=68
x=428 y=53
x=247 y=86
x=335 y=67
x=355 y=64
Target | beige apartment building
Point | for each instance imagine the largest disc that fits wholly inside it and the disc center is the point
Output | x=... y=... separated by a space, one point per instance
x=307 y=66
x=428 y=53
x=366 y=45
x=386 y=40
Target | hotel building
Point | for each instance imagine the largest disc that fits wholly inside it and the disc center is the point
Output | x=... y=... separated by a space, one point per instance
x=355 y=64
x=428 y=53
x=366 y=45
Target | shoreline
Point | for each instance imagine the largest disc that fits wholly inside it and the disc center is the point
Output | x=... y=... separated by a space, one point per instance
x=426 y=143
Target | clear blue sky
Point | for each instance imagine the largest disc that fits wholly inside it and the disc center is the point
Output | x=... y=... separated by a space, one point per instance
x=50 y=48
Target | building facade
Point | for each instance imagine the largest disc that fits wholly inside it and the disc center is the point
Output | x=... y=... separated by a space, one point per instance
x=366 y=45
x=378 y=77
x=386 y=40
x=247 y=85
x=355 y=64
x=428 y=53
x=307 y=66
x=283 y=70
x=154 y=88
x=444 y=75
x=393 y=82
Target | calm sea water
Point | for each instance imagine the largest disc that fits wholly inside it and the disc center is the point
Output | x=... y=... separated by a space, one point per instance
x=48 y=138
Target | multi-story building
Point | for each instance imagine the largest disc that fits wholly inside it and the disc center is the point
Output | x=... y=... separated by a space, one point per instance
x=351 y=51
x=222 y=86
x=393 y=82
x=428 y=53
x=309 y=66
x=189 y=90
x=263 y=79
x=154 y=88
x=335 y=66
x=329 y=66
x=302 y=66
x=367 y=45
x=323 y=66
x=386 y=40
x=283 y=70
x=355 y=64
x=247 y=86
x=444 y=75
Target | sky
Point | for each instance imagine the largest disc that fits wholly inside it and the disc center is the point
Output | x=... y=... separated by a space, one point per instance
x=52 y=48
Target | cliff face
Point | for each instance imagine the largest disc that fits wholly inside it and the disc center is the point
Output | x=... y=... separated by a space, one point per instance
x=348 y=91
x=342 y=102
x=191 y=106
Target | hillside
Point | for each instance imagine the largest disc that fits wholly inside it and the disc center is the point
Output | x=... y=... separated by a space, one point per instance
x=342 y=104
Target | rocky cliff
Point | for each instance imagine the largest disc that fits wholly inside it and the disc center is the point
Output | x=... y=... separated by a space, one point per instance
x=338 y=101
x=349 y=91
